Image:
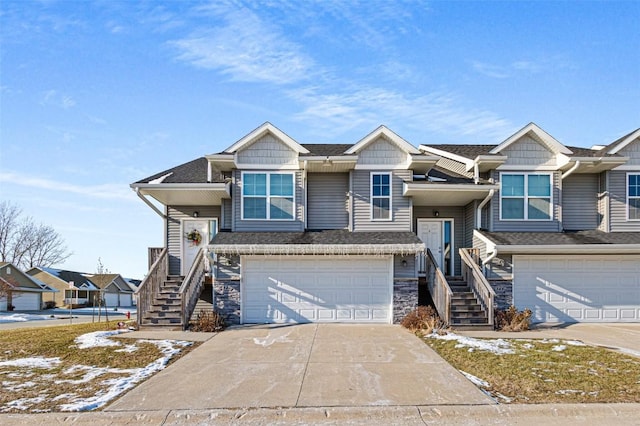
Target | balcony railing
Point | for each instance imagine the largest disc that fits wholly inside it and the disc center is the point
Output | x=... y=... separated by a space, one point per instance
x=438 y=287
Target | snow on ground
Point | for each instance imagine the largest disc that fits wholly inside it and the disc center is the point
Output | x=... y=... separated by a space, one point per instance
x=496 y=346
x=34 y=362
x=475 y=380
x=16 y=317
x=559 y=348
x=111 y=388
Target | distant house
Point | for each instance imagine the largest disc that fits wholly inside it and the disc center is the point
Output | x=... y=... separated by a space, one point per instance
x=73 y=287
x=24 y=293
x=114 y=289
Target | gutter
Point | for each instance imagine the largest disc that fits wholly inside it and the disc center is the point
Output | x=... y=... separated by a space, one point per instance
x=571 y=170
x=149 y=203
x=481 y=205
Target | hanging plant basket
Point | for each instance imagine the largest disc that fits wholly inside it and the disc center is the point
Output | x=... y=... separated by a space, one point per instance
x=194 y=237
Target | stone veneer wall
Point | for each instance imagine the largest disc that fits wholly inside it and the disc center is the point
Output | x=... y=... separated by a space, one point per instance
x=226 y=300
x=405 y=297
x=504 y=293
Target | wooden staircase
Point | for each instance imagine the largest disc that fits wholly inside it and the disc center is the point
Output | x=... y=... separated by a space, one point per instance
x=166 y=308
x=466 y=311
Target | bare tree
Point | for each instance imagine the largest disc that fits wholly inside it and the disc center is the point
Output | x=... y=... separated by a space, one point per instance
x=27 y=244
x=101 y=269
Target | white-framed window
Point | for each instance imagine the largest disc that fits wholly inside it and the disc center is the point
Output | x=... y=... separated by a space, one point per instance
x=633 y=196
x=380 y=196
x=268 y=196
x=525 y=196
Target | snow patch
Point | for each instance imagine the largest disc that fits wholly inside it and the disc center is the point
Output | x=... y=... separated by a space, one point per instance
x=268 y=341
x=160 y=179
x=23 y=317
x=559 y=348
x=98 y=338
x=475 y=380
x=496 y=346
x=34 y=362
x=574 y=343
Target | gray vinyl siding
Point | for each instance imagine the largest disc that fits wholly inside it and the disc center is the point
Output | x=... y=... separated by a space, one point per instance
x=240 y=225
x=580 y=202
x=529 y=152
x=553 y=225
x=469 y=223
x=633 y=152
x=400 y=271
x=603 y=202
x=174 y=236
x=382 y=152
x=267 y=151
x=618 y=203
x=401 y=206
x=480 y=245
x=455 y=213
x=227 y=214
x=327 y=205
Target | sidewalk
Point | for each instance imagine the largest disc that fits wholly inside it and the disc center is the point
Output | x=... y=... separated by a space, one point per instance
x=548 y=414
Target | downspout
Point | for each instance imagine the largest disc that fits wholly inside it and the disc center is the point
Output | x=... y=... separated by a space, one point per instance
x=209 y=171
x=571 y=170
x=476 y=172
x=306 y=193
x=482 y=204
x=147 y=202
x=488 y=259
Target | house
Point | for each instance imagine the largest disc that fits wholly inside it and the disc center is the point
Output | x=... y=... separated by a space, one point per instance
x=364 y=232
x=73 y=287
x=21 y=292
x=115 y=290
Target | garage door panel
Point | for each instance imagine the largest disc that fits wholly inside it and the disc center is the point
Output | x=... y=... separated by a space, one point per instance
x=23 y=301
x=578 y=288
x=301 y=289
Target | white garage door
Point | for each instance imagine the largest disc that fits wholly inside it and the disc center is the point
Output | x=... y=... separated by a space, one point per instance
x=589 y=288
x=326 y=289
x=126 y=299
x=26 y=301
x=111 y=299
x=3 y=304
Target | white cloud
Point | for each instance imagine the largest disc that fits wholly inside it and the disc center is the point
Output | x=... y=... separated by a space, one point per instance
x=55 y=98
x=104 y=191
x=246 y=49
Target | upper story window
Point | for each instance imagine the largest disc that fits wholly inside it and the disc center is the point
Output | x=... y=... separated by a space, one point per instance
x=380 y=196
x=633 y=196
x=267 y=196
x=525 y=196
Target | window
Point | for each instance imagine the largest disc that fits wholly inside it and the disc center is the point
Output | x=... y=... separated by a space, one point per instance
x=267 y=196
x=381 y=196
x=525 y=196
x=633 y=196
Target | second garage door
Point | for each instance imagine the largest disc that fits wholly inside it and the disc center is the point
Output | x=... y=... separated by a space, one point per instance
x=23 y=301
x=589 y=288
x=326 y=289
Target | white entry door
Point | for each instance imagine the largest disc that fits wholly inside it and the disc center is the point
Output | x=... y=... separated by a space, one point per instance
x=196 y=234
x=430 y=232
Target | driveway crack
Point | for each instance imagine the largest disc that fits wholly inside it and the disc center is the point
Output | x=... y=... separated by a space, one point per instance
x=306 y=367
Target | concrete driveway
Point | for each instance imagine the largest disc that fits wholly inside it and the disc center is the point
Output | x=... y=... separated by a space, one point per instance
x=310 y=365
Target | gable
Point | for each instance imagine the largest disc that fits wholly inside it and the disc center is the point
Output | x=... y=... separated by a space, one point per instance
x=529 y=150
x=382 y=151
x=632 y=151
x=16 y=277
x=267 y=150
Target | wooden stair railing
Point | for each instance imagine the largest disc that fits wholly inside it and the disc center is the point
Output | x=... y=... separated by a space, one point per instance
x=439 y=288
x=149 y=288
x=474 y=277
x=192 y=287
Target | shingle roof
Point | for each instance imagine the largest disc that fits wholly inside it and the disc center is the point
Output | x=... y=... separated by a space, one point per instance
x=67 y=276
x=472 y=151
x=194 y=171
x=332 y=237
x=326 y=149
x=451 y=177
x=103 y=280
x=562 y=238
x=617 y=141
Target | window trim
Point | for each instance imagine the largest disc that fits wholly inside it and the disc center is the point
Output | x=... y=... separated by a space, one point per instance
x=628 y=198
x=268 y=195
x=526 y=196
x=390 y=196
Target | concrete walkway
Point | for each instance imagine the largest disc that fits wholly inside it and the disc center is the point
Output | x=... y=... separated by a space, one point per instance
x=311 y=365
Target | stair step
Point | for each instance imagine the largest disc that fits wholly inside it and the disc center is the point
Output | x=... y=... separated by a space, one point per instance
x=466 y=308
x=465 y=321
x=468 y=315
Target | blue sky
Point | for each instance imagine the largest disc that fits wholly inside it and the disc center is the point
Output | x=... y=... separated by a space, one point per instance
x=97 y=95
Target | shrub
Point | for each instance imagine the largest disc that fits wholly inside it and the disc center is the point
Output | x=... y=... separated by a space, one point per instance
x=49 y=304
x=423 y=319
x=512 y=319
x=208 y=321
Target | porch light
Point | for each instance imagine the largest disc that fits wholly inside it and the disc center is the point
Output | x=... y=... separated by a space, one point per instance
x=436 y=213
x=404 y=263
x=196 y=214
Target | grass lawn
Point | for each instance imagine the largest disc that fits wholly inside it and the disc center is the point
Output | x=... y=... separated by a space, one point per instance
x=544 y=371
x=44 y=369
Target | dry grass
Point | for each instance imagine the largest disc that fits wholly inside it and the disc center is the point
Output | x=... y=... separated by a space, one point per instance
x=50 y=385
x=538 y=374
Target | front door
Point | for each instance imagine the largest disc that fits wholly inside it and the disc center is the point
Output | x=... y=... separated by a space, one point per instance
x=196 y=234
x=430 y=232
